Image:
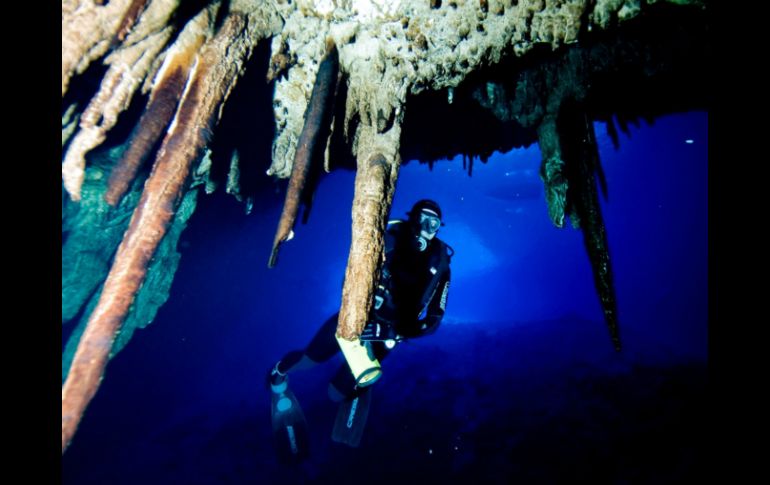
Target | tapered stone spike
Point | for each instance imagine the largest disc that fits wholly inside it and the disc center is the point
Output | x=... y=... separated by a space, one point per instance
x=316 y=114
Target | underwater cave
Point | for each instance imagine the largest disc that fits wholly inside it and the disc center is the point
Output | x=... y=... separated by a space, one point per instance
x=567 y=144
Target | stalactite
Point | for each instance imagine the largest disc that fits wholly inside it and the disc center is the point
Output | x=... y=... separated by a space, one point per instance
x=233 y=186
x=87 y=30
x=583 y=167
x=127 y=22
x=69 y=123
x=129 y=65
x=167 y=89
x=128 y=68
x=315 y=115
x=210 y=82
x=280 y=61
x=552 y=170
x=376 y=175
x=366 y=248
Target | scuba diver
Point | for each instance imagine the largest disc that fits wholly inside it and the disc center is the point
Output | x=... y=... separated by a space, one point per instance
x=409 y=302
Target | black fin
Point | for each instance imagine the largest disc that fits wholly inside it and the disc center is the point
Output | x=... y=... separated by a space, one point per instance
x=351 y=418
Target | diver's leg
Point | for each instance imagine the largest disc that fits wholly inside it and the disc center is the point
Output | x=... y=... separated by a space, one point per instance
x=324 y=344
x=321 y=348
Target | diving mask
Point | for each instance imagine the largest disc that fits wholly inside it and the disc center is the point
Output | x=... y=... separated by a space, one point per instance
x=428 y=227
x=429 y=223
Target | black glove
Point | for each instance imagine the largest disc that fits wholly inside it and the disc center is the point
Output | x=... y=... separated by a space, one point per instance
x=379 y=330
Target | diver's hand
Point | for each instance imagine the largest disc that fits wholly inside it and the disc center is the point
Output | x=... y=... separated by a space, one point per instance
x=379 y=331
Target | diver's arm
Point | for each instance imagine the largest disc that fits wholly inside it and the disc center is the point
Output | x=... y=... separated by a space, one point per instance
x=436 y=307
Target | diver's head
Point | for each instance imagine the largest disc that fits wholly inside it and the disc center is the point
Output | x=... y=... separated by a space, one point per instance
x=425 y=221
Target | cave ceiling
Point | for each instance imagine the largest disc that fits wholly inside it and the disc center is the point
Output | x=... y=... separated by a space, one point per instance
x=154 y=94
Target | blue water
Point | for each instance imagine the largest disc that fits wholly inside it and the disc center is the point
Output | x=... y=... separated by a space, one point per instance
x=520 y=383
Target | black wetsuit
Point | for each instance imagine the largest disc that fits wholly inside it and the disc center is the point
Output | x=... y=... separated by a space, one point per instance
x=413 y=290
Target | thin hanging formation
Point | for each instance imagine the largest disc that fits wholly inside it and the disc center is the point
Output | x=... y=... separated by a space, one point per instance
x=374 y=186
x=169 y=83
x=569 y=170
x=583 y=168
x=316 y=114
